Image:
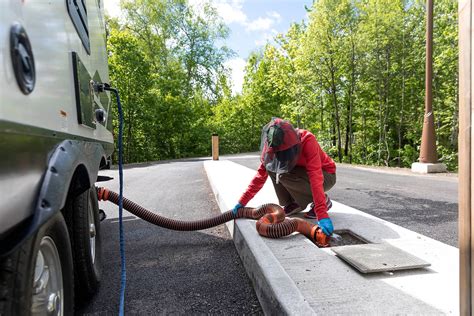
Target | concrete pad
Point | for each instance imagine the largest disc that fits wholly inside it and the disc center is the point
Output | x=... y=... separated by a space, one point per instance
x=292 y=276
x=421 y=167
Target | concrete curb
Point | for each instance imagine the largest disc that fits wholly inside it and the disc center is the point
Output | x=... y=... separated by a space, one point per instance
x=288 y=272
x=275 y=290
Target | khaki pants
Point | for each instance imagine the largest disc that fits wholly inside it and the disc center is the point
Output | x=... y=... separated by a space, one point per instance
x=294 y=186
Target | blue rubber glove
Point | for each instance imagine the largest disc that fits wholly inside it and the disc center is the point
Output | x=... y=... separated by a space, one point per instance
x=236 y=208
x=326 y=226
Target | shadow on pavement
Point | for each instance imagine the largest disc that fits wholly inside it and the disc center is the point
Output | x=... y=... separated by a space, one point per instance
x=171 y=272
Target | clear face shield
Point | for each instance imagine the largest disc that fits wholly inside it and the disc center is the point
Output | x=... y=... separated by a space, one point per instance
x=280 y=147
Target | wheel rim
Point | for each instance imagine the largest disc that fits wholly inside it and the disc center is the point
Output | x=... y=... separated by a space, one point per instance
x=92 y=230
x=48 y=292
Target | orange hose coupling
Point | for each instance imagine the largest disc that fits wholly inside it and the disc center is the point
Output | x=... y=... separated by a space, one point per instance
x=102 y=194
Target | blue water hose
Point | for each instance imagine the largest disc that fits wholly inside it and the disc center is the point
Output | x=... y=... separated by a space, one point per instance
x=123 y=272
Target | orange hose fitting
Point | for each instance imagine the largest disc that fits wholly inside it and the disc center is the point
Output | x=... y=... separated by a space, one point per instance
x=102 y=194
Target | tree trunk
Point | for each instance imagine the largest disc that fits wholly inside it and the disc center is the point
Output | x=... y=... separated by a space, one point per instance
x=351 y=102
x=387 y=106
x=322 y=113
x=400 y=122
x=336 y=110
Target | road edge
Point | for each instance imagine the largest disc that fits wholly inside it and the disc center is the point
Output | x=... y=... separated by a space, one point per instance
x=276 y=291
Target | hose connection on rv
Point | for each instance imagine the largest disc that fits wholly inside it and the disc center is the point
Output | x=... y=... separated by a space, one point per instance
x=271 y=220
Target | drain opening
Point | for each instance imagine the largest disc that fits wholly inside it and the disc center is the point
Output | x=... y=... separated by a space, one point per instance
x=345 y=238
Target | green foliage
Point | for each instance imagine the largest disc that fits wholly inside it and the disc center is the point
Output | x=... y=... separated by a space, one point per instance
x=169 y=70
x=353 y=74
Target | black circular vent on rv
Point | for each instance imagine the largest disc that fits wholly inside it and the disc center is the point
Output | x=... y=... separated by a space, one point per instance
x=22 y=59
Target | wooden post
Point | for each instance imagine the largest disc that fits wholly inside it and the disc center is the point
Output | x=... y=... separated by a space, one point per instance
x=215 y=147
x=466 y=156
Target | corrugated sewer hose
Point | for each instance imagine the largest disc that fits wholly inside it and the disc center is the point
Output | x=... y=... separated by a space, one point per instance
x=271 y=220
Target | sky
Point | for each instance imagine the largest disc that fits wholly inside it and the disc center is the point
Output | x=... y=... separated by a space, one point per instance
x=252 y=24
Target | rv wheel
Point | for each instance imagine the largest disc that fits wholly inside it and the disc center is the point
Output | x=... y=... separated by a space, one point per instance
x=84 y=226
x=37 y=278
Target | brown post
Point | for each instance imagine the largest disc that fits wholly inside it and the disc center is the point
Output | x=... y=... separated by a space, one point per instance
x=465 y=154
x=215 y=147
x=428 y=152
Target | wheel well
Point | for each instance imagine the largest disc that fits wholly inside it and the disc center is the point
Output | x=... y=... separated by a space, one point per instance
x=71 y=170
x=103 y=163
x=80 y=181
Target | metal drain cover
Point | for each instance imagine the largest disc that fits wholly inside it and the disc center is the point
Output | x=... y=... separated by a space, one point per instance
x=370 y=258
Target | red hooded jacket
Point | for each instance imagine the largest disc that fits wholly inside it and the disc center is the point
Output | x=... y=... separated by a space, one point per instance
x=315 y=160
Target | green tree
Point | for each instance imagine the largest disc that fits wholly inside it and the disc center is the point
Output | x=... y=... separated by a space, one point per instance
x=126 y=70
x=164 y=55
x=353 y=74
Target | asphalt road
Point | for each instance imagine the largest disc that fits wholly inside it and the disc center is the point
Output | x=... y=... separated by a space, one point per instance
x=427 y=204
x=170 y=272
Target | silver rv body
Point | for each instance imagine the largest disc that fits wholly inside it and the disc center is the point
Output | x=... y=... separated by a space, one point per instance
x=55 y=132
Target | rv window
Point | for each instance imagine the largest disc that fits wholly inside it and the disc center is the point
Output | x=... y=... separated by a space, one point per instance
x=78 y=13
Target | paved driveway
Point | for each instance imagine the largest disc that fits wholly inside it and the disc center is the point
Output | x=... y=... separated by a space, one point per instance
x=171 y=272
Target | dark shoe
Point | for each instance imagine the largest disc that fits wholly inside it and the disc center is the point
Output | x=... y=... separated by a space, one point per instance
x=292 y=208
x=102 y=215
x=310 y=213
x=328 y=201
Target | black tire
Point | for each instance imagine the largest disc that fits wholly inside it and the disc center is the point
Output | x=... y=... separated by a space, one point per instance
x=87 y=267
x=17 y=271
